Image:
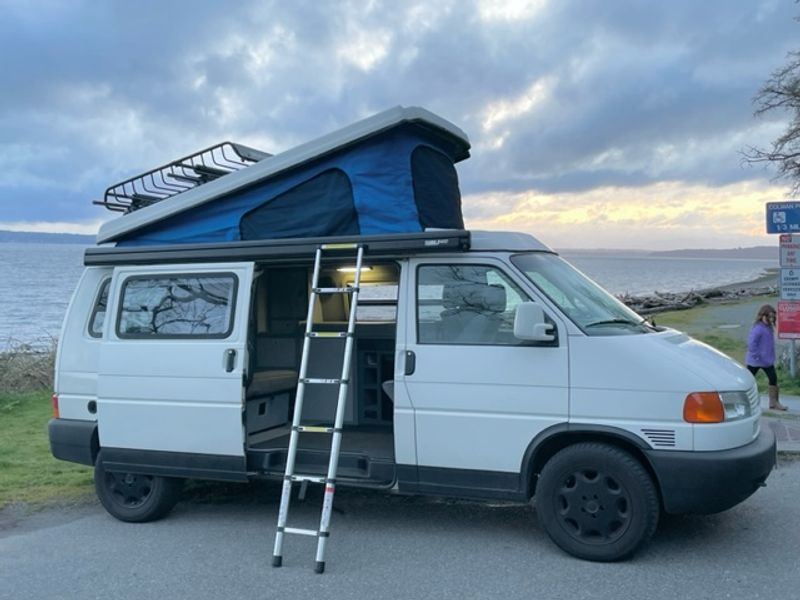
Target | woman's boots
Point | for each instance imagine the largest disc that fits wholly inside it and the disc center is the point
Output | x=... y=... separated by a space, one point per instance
x=774 y=403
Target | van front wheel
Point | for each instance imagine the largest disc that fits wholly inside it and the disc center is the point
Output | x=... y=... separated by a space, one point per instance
x=597 y=502
x=133 y=497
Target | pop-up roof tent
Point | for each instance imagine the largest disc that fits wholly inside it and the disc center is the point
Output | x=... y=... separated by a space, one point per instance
x=391 y=173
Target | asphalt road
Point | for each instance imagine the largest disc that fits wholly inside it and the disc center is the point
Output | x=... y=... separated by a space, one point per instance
x=220 y=547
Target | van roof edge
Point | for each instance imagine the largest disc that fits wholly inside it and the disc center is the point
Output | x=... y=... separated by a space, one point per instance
x=287 y=249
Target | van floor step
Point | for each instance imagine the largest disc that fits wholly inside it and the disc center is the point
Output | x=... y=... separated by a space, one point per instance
x=375 y=442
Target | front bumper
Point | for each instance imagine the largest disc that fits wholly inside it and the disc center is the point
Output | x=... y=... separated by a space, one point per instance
x=710 y=482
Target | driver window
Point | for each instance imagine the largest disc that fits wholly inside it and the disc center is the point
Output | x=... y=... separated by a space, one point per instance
x=466 y=304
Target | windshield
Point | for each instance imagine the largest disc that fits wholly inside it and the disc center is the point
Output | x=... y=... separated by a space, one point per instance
x=593 y=309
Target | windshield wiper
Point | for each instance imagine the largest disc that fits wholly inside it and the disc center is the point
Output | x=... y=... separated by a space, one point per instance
x=614 y=322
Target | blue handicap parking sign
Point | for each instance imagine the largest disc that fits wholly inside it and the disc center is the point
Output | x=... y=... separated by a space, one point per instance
x=783 y=217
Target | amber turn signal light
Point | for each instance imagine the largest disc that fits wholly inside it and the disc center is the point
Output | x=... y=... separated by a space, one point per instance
x=703 y=407
x=54 y=400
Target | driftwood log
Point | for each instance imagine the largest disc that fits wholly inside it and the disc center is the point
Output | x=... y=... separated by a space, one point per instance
x=664 y=301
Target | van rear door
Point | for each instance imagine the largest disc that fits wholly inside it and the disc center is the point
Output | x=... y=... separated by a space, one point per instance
x=171 y=372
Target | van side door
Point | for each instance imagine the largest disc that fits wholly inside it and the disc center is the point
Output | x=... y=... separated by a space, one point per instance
x=171 y=371
x=479 y=395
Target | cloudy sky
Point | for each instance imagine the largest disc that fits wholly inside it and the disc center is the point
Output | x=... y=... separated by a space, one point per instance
x=597 y=123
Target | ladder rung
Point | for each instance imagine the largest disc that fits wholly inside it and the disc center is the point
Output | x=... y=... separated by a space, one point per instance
x=311 y=478
x=342 y=246
x=323 y=381
x=329 y=334
x=298 y=531
x=334 y=290
x=314 y=429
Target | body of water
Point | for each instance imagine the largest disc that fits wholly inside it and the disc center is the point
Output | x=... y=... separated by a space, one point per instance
x=641 y=275
x=36 y=284
x=37 y=280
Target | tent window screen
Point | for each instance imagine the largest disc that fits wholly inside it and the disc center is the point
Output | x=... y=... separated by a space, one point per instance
x=436 y=192
x=177 y=306
x=321 y=206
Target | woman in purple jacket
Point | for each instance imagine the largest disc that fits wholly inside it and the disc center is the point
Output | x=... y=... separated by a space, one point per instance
x=761 y=352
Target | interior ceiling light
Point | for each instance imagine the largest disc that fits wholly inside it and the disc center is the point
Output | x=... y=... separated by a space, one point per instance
x=352 y=269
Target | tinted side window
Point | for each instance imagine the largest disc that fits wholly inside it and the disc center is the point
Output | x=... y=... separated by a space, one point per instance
x=177 y=306
x=466 y=304
x=99 y=311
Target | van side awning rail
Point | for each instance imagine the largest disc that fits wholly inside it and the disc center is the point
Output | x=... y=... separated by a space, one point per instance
x=376 y=246
x=179 y=176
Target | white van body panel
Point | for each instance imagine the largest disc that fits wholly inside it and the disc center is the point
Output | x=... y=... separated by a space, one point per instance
x=478 y=407
x=174 y=395
x=639 y=383
x=405 y=447
x=78 y=354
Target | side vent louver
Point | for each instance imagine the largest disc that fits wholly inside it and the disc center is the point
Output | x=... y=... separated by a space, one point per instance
x=660 y=438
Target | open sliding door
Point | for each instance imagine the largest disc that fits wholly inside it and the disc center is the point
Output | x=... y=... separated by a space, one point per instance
x=171 y=369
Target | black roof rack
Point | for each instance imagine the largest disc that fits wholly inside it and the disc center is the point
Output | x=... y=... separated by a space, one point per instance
x=178 y=176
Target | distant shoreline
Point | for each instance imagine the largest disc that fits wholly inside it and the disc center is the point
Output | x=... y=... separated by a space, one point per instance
x=767 y=280
x=754 y=253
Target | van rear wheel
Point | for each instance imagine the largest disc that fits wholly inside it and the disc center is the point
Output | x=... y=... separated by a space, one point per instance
x=597 y=502
x=134 y=497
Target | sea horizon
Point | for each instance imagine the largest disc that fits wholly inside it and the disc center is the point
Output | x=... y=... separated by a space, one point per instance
x=37 y=281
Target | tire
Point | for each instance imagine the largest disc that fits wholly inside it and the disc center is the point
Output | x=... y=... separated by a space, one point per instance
x=597 y=502
x=133 y=497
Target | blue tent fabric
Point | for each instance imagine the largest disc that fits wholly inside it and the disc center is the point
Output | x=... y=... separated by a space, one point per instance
x=321 y=206
x=379 y=170
x=435 y=177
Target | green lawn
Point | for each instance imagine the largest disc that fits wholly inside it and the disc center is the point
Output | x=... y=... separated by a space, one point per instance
x=28 y=472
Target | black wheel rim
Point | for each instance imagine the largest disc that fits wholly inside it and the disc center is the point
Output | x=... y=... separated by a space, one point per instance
x=592 y=506
x=129 y=489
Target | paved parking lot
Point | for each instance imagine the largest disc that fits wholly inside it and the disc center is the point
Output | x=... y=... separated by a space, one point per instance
x=218 y=545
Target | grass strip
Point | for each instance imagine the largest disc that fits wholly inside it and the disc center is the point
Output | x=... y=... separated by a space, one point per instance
x=28 y=472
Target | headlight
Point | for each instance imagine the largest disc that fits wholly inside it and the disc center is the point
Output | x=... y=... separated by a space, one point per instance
x=736 y=405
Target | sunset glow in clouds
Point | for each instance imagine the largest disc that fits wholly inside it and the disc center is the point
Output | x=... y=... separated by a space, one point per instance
x=593 y=124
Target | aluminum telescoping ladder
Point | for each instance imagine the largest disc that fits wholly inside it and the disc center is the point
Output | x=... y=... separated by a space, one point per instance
x=329 y=481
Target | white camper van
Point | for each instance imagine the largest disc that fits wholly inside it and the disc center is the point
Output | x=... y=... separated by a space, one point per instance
x=476 y=364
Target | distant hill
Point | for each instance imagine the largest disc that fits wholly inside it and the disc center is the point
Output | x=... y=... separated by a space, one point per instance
x=765 y=252
x=31 y=237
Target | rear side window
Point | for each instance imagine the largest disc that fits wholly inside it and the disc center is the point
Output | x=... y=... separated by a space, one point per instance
x=177 y=306
x=99 y=311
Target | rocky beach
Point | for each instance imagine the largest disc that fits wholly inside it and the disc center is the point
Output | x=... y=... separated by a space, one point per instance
x=657 y=302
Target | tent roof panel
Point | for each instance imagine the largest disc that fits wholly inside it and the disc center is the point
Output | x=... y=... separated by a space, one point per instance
x=293 y=158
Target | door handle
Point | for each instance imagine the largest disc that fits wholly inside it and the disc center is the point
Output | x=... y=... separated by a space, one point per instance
x=411 y=362
x=230 y=360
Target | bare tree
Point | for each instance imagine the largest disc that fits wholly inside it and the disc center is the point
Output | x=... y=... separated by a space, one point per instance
x=781 y=93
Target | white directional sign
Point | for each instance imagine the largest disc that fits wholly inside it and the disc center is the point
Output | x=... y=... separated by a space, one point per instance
x=790 y=284
x=790 y=250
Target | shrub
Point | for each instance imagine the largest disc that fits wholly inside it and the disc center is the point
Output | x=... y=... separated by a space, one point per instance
x=27 y=367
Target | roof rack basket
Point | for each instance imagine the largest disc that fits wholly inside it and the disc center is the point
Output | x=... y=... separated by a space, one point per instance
x=178 y=176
